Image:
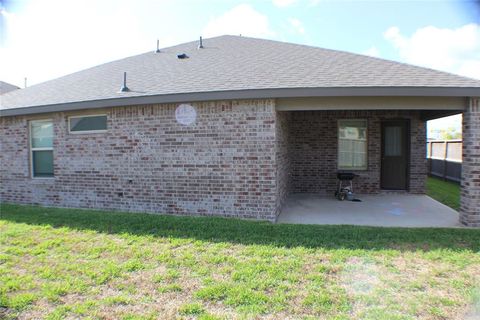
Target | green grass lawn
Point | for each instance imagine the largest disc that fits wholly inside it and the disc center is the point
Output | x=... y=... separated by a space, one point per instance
x=445 y=192
x=67 y=263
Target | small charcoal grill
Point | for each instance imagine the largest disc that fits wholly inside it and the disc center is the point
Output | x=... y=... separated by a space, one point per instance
x=345 y=186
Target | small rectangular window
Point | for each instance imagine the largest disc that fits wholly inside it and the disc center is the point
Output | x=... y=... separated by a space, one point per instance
x=87 y=124
x=352 y=144
x=41 y=148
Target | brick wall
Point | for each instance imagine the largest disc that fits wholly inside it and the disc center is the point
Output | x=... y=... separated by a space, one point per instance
x=283 y=161
x=240 y=158
x=418 y=154
x=224 y=164
x=14 y=169
x=470 y=184
x=314 y=150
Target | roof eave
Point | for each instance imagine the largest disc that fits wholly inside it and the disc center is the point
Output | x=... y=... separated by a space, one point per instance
x=250 y=94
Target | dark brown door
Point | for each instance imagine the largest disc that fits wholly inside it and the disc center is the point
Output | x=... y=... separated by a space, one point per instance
x=395 y=162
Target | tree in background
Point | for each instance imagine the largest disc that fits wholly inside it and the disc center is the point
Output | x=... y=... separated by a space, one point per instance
x=450 y=133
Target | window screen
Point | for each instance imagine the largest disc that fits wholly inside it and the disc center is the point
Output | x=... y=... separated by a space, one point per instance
x=352 y=144
x=88 y=123
x=43 y=163
x=393 y=141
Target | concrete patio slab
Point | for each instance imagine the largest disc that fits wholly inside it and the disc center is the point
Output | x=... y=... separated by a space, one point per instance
x=385 y=210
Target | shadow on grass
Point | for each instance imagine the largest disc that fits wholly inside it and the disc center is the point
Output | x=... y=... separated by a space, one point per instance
x=246 y=232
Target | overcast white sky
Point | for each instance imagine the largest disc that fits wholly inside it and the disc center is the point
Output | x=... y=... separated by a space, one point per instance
x=45 y=39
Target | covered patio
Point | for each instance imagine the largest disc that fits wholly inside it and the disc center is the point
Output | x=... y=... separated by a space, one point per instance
x=383 y=210
x=383 y=141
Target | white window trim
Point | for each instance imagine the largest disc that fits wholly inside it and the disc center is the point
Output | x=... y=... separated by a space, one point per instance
x=32 y=149
x=86 y=131
x=365 y=168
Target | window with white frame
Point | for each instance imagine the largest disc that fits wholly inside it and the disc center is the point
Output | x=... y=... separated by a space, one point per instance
x=87 y=124
x=41 y=148
x=352 y=144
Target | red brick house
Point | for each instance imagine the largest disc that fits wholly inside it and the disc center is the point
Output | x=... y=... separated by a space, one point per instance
x=230 y=129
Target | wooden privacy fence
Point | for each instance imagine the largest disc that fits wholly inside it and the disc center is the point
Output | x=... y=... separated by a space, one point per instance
x=445 y=159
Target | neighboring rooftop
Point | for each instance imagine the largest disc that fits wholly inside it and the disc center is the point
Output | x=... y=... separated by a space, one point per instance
x=7 y=87
x=234 y=67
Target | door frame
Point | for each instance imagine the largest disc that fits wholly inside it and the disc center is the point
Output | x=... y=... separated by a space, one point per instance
x=407 y=151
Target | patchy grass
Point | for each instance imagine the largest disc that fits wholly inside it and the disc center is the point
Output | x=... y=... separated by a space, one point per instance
x=68 y=263
x=191 y=309
x=445 y=192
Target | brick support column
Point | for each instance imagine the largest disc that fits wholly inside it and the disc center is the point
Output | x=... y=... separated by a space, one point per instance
x=470 y=185
x=418 y=161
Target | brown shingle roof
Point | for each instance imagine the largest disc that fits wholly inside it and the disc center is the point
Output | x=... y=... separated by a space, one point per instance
x=7 y=87
x=233 y=64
